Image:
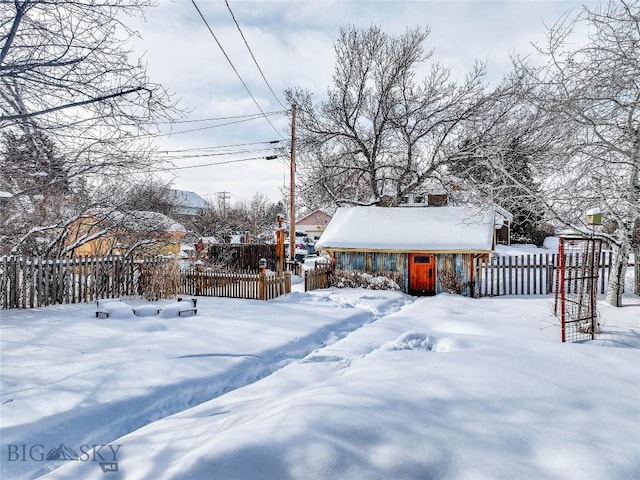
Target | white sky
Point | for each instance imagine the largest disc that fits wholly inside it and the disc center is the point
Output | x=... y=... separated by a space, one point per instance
x=293 y=44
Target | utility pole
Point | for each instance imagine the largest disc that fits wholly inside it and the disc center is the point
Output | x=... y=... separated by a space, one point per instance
x=222 y=200
x=292 y=190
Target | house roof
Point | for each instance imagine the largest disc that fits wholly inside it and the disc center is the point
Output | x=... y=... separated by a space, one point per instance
x=442 y=229
x=209 y=239
x=189 y=199
x=314 y=218
x=140 y=220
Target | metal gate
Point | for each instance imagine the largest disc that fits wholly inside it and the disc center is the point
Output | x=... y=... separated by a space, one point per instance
x=577 y=287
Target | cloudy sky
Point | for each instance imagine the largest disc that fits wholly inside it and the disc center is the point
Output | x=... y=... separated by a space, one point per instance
x=292 y=42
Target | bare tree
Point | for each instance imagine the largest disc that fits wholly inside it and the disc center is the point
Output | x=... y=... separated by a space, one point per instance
x=259 y=216
x=153 y=195
x=66 y=76
x=578 y=113
x=381 y=133
x=256 y=217
x=503 y=159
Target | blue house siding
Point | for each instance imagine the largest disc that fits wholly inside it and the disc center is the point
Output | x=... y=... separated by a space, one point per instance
x=379 y=262
x=371 y=262
x=461 y=263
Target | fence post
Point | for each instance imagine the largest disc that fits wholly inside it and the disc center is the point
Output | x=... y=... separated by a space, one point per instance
x=262 y=287
x=4 y=283
x=287 y=285
x=636 y=269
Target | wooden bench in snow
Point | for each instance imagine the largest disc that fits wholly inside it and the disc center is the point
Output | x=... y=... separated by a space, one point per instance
x=149 y=310
x=112 y=306
x=184 y=307
x=187 y=306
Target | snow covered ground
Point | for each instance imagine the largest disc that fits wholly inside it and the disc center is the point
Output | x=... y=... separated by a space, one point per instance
x=331 y=384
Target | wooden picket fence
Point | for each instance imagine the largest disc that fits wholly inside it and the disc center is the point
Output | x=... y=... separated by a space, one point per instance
x=37 y=282
x=241 y=256
x=252 y=285
x=318 y=277
x=532 y=274
x=636 y=270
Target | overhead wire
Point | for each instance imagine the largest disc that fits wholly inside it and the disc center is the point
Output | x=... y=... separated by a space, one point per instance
x=238 y=160
x=253 y=56
x=215 y=119
x=234 y=68
x=207 y=127
x=218 y=154
x=270 y=142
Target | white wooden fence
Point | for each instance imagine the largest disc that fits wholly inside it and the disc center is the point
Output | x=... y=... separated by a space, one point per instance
x=532 y=274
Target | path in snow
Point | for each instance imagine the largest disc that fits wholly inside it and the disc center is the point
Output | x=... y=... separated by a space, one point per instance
x=123 y=375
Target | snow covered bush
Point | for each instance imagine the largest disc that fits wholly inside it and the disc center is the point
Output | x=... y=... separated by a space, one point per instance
x=358 y=279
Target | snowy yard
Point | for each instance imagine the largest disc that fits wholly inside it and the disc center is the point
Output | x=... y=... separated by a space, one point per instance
x=331 y=384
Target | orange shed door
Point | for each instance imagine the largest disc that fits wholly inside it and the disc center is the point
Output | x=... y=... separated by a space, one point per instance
x=422 y=274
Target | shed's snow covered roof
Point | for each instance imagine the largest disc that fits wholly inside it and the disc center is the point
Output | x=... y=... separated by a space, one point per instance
x=409 y=229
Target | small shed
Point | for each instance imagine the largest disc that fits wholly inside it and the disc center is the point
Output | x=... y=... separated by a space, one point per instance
x=432 y=249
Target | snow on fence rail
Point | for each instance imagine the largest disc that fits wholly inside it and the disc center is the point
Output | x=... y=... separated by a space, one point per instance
x=532 y=274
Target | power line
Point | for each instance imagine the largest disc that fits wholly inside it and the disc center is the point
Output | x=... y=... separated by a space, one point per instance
x=252 y=56
x=269 y=142
x=234 y=68
x=255 y=117
x=217 y=154
x=268 y=157
x=215 y=119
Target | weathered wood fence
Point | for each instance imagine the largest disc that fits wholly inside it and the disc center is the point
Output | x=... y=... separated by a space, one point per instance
x=533 y=274
x=241 y=256
x=37 y=282
x=318 y=277
x=636 y=270
x=251 y=285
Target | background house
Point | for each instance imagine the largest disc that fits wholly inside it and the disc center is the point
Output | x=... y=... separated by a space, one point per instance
x=439 y=198
x=189 y=203
x=432 y=249
x=313 y=224
x=4 y=198
x=204 y=243
x=104 y=232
